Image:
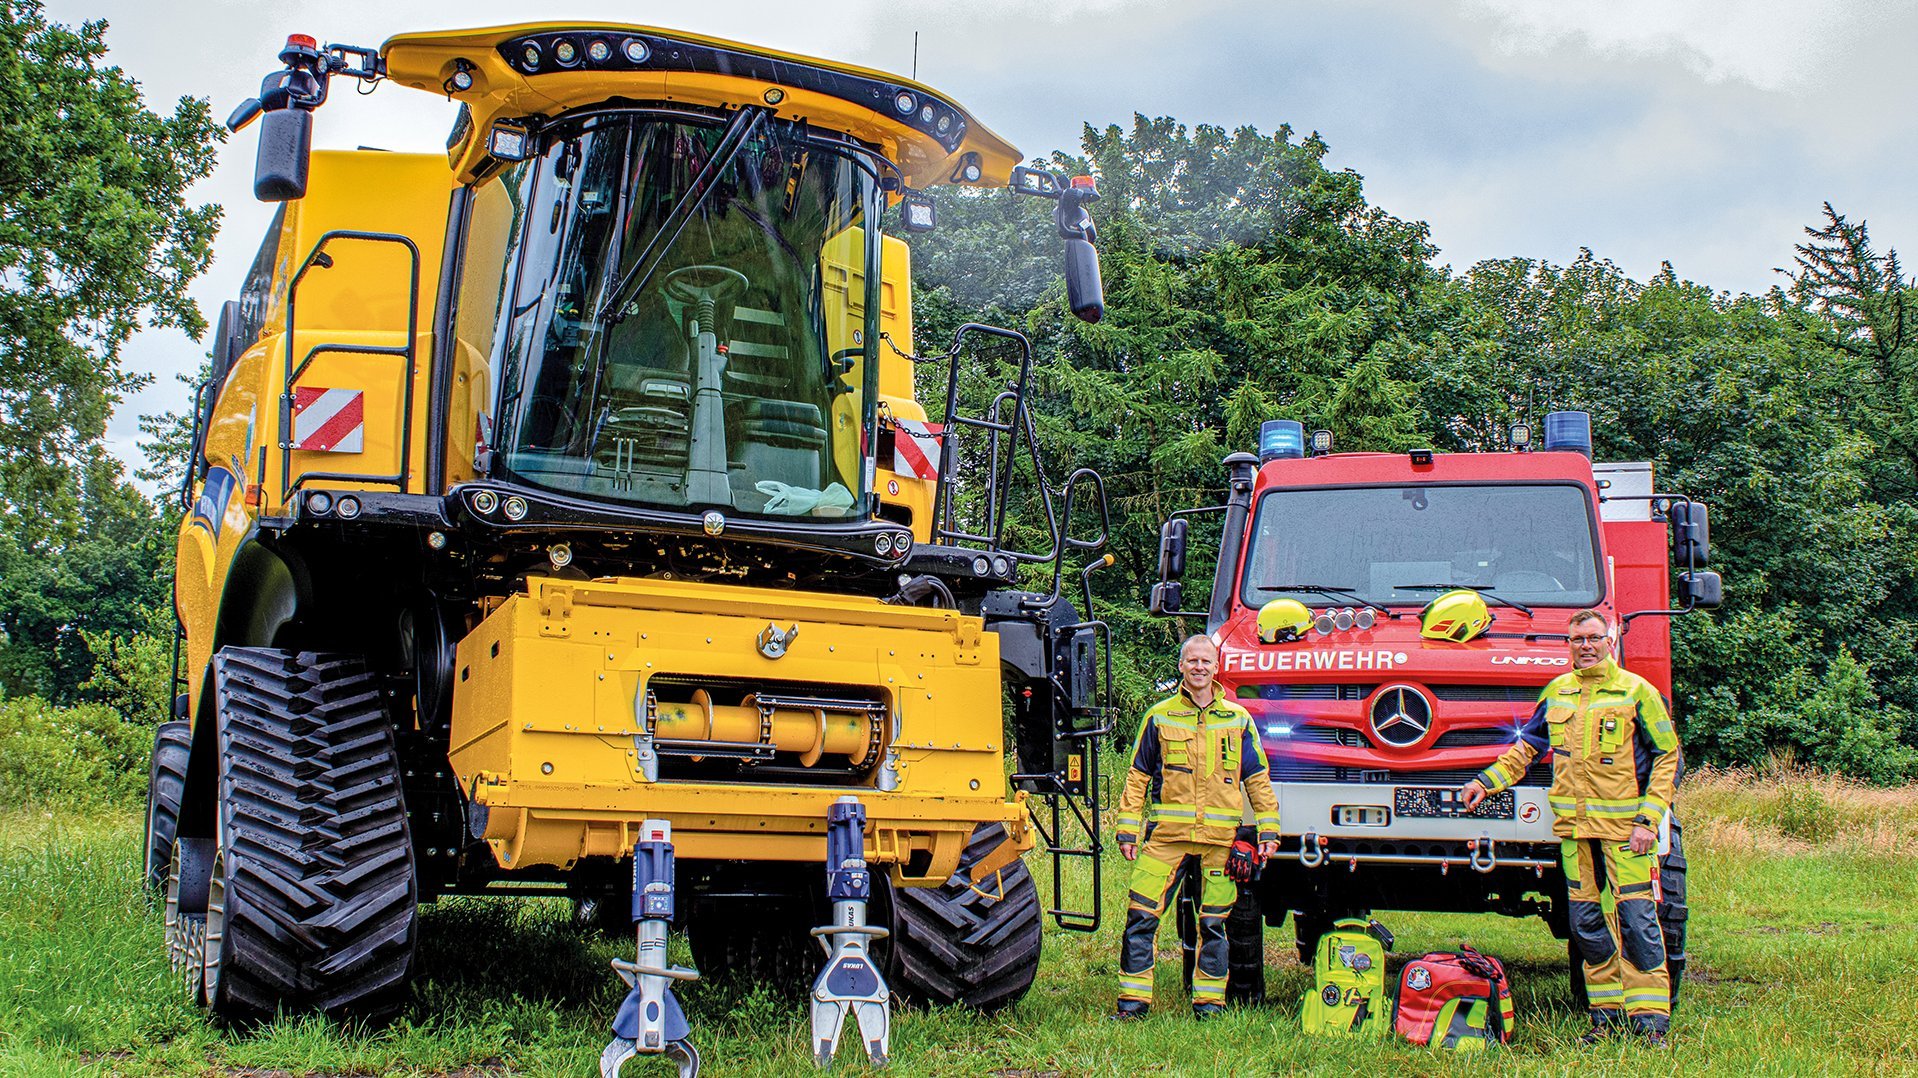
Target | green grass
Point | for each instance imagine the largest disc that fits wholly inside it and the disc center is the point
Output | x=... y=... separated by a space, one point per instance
x=1804 y=961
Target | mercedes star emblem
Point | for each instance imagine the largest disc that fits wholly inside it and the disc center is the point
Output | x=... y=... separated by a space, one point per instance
x=1401 y=715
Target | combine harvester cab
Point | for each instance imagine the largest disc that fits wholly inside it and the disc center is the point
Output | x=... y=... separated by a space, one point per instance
x=1373 y=724
x=568 y=492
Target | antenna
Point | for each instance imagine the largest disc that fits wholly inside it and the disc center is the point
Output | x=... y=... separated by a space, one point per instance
x=915 y=56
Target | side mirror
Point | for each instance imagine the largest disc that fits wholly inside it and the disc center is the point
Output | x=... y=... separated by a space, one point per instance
x=286 y=144
x=1702 y=589
x=1167 y=598
x=1085 y=293
x=1691 y=534
x=1172 y=550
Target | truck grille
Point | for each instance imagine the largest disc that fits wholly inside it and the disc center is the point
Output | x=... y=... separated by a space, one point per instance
x=1476 y=735
x=1284 y=770
x=1306 y=692
x=1486 y=694
x=1329 y=735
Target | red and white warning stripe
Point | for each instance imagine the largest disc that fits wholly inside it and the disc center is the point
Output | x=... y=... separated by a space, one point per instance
x=915 y=448
x=329 y=420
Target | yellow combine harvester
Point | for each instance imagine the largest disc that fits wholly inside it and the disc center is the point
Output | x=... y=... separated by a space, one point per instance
x=576 y=479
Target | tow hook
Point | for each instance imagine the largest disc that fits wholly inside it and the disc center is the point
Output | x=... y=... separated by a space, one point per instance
x=1312 y=849
x=1482 y=856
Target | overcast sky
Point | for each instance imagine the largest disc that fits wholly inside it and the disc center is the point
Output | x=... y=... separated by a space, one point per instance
x=1702 y=132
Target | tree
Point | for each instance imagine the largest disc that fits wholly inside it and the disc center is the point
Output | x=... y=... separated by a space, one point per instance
x=96 y=238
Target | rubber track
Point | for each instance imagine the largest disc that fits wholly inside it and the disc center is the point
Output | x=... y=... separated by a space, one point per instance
x=955 y=944
x=166 y=784
x=321 y=895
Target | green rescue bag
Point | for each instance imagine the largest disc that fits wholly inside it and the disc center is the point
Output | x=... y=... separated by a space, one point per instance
x=1348 y=994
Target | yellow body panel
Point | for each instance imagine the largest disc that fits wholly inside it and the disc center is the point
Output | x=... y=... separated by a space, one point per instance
x=547 y=707
x=360 y=300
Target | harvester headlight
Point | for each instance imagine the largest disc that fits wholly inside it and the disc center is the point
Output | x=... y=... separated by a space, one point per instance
x=1342 y=619
x=348 y=507
x=560 y=554
x=1324 y=625
x=925 y=114
x=319 y=503
x=598 y=51
x=516 y=508
x=945 y=123
x=774 y=95
x=882 y=542
x=566 y=53
x=485 y=501
x=980 y=566
x=529 y=56
x=1002 y=565
x=636 y=50
x=901 y=543
x=905 y=103
x=509 y=142
x=462 y=79
x=436 y=540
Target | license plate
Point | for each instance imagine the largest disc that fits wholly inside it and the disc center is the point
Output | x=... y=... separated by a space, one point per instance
x=1361 y=816
x=1444 y=802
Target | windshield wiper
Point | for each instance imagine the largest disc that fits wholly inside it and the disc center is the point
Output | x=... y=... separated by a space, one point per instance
x=739 y=129
x=1486 y=592
x=1330 y=592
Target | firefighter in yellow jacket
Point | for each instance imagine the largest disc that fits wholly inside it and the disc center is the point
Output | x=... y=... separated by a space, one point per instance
x=1195 y=764
x=1615 y=761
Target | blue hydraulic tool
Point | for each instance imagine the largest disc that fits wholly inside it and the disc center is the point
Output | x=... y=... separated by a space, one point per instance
x=850 y=981
x=650 y=1020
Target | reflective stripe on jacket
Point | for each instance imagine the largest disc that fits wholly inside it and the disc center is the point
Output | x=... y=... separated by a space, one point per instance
x=1615 y=756
x=1193 y=769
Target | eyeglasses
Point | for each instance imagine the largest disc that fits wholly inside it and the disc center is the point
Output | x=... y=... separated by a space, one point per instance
x=1587 y=639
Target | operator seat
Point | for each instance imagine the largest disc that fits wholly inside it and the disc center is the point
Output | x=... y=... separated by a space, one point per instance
x=784 y=441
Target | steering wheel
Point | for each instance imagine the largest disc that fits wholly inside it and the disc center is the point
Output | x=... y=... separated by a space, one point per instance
x=706 y=283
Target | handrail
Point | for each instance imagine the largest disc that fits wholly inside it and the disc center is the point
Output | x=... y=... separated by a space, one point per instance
x=409 y=351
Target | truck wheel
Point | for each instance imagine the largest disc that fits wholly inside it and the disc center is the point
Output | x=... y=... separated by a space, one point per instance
x=970 y=942
x=1672 y=910
x=1306 y=930
x=313 y=901
x=166 y=783
x=1245 y=949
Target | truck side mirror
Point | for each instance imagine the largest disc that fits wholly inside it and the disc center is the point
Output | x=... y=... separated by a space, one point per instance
x=1702 y=589
x=1172 y=550
x=286 y=144
x=1085 y=292
x=1691 y=534
x=1167 y=598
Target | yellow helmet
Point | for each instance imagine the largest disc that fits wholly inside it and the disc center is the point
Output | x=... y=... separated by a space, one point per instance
x=1283 y=619
x=1457 y=616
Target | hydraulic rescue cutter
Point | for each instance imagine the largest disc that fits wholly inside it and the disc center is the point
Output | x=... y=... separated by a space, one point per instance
x=571 y=513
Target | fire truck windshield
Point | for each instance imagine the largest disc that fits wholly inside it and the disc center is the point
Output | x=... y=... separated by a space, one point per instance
x=681 y=315
x=1534 y=544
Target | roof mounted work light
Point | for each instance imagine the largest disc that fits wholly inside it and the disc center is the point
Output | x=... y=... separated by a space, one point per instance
x=1281 y=439
x=1521 y=436
x=1321 y=442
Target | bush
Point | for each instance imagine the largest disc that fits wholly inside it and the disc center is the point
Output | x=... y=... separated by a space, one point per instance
x=85 y=754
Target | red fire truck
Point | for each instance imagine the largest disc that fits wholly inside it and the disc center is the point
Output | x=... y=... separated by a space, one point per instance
x=1372 y=727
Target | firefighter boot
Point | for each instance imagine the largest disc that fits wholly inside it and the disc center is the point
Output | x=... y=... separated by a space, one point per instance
x=1605 y=1023
x=1653 y=1028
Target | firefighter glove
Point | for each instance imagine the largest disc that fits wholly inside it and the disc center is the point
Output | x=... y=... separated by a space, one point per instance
x=1243 y=862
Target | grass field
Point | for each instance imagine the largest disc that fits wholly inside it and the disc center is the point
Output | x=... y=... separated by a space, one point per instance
x=1804 y=960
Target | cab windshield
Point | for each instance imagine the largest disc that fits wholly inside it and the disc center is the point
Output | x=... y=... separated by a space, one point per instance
x=1530 y=544
x=687 y=320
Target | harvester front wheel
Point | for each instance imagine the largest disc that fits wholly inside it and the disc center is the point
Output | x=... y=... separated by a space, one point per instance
x=970 y=942
x=313 y=899
x=166 y=784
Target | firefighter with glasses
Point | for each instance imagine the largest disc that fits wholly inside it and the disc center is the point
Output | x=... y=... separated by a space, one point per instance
x=1615 y=764
x=1195 y=764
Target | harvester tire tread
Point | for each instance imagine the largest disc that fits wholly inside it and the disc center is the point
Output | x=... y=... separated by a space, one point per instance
x=968 y=942
x=314 y=900
x=166 y=786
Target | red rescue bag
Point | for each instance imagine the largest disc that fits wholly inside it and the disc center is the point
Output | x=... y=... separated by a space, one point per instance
x=1446 y=1000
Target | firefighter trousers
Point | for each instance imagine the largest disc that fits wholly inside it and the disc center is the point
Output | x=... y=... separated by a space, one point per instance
x=1155 y=872
x=1638 y=984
